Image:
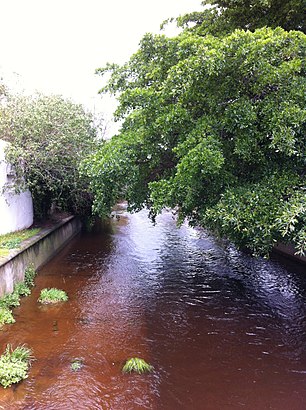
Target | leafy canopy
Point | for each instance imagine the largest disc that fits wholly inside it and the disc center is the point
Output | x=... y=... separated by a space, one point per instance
x=224 y=16
x=213 y=126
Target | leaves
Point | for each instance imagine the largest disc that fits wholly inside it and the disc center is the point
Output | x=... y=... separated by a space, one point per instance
x=213 y=126
x=222 y=16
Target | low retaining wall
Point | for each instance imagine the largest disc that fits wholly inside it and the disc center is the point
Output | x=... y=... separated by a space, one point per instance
x=36 y=251
x=290 y=252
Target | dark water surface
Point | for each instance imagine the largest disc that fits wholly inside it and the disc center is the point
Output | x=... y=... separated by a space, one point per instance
x=222 y=330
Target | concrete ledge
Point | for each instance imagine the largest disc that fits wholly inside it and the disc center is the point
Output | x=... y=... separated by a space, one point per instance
x=289 y=251
x=36 y=251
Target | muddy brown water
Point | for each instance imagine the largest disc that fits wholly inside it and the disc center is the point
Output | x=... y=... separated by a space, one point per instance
x=223 y=331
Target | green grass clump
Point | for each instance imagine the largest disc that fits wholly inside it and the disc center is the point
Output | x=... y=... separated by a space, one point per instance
x=76 y=364
x=136 y=365
x=6 y=316
x=13 y=240
x=14 y=365
x=52 y=295
x=22 y=235
x=11 y=243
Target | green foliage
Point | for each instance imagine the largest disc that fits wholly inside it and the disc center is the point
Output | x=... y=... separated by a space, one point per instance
x=49 y=137
x=22 y=289
x=52 y=295
x=29 y=276
x=10 y=300
x=136 y=365
x=6 y=316
x=11 y=244
x=14 y=365
x=215 y=128
x=261 y=214
x=223 y=16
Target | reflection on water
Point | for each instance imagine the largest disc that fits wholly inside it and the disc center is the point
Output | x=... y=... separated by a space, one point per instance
x=223 y=331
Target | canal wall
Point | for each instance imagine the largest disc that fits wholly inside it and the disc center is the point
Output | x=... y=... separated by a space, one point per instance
x=36 y=251
x=289 y=252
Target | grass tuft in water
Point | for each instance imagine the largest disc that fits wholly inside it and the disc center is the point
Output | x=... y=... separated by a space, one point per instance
x=76 y=364
x=137 y=365
x=52 y=295
x=14 y=365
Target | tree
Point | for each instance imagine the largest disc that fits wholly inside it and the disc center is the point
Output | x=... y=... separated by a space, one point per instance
x=224 y=16
x=49 y=138
x=215 y=128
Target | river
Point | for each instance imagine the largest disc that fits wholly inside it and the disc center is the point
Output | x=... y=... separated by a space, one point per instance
x=222 y=330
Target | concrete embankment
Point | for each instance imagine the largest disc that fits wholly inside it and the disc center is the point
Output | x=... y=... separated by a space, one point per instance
x=289 y=252
x=36 y=251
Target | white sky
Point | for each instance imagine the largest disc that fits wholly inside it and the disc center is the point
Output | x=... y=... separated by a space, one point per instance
x=55 y=45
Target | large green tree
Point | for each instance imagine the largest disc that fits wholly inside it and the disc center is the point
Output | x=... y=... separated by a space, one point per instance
x=223 y=16
x=215 y=128
x=49 y=137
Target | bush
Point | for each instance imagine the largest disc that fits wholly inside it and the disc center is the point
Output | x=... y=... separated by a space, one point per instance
x=49 y=137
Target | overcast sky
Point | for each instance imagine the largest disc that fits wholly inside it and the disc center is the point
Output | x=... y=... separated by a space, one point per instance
x=56 y=45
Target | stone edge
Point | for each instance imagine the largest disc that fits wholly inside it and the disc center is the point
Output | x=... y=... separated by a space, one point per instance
x=36 y=251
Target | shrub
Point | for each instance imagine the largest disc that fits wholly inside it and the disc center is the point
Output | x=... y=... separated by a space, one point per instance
x=136 y=365
x=52 y=295
x=49 y=137
x=14 y=365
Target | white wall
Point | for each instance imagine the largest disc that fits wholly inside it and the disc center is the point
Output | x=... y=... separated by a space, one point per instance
x=16 y=211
